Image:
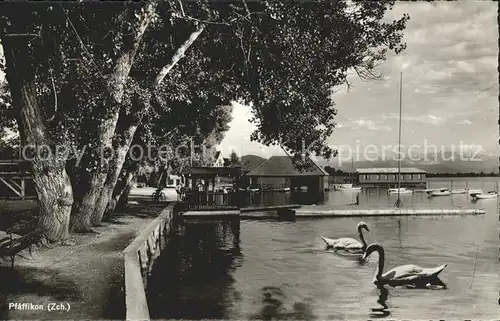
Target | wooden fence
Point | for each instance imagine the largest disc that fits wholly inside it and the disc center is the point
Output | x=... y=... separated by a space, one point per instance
x=201 y=200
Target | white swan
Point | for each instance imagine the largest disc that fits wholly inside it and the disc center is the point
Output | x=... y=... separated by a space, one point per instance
x=348 y=243
x=409 y=274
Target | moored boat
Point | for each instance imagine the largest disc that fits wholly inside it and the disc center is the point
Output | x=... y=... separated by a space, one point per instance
x=406 y=191
x=474 y=192
x=402 y=190
x=491 y=194
x=430 y=190
x=339 y=187
x=351 y=188
x=441 y=192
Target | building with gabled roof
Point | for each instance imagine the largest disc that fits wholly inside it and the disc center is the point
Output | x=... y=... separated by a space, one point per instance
x=283 y=172
x=388 y=177
x=220 y=160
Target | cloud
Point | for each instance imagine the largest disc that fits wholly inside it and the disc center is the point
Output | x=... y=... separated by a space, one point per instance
x=424 y=119
x=363 y=123
x=370 y=125
x=450 y=80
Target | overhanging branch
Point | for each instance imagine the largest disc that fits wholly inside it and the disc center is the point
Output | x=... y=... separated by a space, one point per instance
x=179 y=54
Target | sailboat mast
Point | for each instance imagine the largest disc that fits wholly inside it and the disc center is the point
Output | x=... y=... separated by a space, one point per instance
x=399 y=142
x=352 y=171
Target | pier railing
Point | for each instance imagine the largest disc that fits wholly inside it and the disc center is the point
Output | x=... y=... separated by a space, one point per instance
x=139 y=257
x=272 y=187
x=206 y=200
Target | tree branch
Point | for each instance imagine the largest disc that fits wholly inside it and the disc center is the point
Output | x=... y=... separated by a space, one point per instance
x=123 y=65
x=179 y=54
x=182 y=8
x=55 y=94
x=220 y=23
x=36 y=35
x=84 y=47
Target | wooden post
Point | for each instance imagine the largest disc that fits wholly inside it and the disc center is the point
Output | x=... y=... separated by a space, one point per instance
x=23 y=188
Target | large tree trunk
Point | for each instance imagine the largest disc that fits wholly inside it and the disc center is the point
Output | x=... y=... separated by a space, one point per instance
x=123 y=186
x=52 y=185
x=131 y=123
x=95 y=191
x=93 y=175
x=114 y=171
x=119 y=199
x=55 y=199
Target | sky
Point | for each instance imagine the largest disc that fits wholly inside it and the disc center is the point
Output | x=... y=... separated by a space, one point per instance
x=450 y=86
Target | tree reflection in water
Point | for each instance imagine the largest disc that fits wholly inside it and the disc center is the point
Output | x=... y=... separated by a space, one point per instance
x=383 y=311
x=192 y=278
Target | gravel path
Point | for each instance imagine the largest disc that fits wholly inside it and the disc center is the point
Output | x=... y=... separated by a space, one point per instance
x=87 y=275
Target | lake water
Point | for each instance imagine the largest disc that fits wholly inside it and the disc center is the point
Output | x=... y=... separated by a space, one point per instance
x=281 y=270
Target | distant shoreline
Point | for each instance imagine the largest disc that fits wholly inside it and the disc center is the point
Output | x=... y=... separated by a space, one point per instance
x=464 y=175
x=429 y=175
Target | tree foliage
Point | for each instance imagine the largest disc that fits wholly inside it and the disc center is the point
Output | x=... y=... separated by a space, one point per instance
x=104 y=70
x=234 y=159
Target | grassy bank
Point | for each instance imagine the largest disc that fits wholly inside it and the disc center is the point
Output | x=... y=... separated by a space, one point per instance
x=88 y=275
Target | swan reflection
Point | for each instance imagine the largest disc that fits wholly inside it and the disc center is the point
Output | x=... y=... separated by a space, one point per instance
x=382 y=311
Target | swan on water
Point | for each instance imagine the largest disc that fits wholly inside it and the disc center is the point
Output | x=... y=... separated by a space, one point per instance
x=348 y=243
x=411 y=275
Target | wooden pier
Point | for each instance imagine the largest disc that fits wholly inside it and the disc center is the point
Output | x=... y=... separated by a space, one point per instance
x=292 y=212
x=246 y=213
x=386 y=212
x=268 y=208
x=221 y=214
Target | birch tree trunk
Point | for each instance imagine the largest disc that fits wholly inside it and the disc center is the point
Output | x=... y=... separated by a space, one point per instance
x=88 y=202
x=119 y=199
x=114 y=170
x=52 y=184
x=130 y=127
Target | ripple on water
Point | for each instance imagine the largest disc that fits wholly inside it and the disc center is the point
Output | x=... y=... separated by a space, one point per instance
x=282 y=270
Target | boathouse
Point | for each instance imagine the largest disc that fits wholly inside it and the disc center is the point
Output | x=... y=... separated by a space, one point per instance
x=388 y=177
x=248 y=162
x=280 y=172
x=211 y=178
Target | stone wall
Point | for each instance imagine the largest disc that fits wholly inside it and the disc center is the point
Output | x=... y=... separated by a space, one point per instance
x=139 y=258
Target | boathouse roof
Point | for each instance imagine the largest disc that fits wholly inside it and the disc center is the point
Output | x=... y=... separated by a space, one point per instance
x=249 y=162
x=213 y=171
x=389 y=170
x=284 y=166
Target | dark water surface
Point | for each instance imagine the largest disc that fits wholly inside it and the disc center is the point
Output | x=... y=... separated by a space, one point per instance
x=280 y=270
